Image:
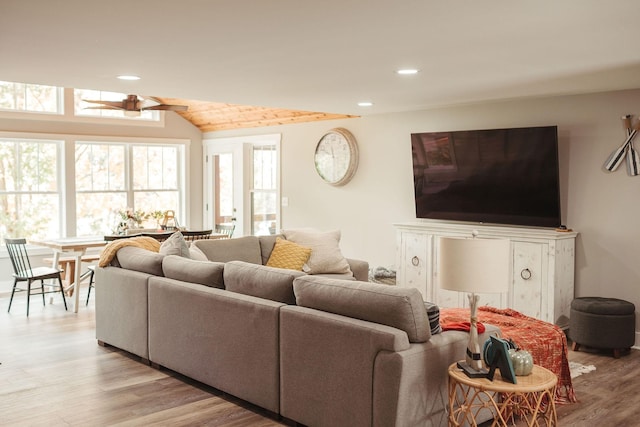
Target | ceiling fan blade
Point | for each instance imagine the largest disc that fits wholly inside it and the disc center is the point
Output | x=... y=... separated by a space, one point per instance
x=114 y=104
x=167 y=107
x=104 y=107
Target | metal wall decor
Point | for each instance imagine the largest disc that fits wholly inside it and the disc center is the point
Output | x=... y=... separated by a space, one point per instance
x=626 y=150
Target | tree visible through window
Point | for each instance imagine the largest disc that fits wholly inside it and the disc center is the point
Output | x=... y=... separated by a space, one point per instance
x=29 y=189
x=30 y=97
x=113 y=177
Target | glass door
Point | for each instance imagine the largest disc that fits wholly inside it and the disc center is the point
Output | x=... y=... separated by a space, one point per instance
x=242 y=184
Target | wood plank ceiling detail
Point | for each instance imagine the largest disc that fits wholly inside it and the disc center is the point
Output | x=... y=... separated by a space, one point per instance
x=214 y=116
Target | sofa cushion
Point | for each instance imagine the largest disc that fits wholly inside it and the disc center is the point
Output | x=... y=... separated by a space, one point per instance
x=266 y=246
x=275 y=284
x=288 y=255
x=208 y=273
x=138 y=259
x=401 y=308
x=325 y=250
x=197 y=254
x=175 y=245
x=236 y=249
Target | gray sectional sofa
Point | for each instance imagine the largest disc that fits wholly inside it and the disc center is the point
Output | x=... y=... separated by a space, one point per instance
x=321 y=351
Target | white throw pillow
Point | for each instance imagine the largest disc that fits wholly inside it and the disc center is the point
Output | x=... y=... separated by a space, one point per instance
x=175 y=245
x=326 y=257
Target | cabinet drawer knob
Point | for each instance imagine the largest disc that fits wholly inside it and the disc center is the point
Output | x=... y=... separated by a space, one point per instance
x=415 y=261
x=525 y=274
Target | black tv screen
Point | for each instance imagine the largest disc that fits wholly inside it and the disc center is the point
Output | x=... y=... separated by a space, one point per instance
x=500 y=176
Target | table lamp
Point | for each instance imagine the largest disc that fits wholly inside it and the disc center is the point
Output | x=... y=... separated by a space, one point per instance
x=474 y=266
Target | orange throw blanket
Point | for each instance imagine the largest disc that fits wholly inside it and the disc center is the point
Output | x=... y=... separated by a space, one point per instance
x=546 y=342
x=109 y=252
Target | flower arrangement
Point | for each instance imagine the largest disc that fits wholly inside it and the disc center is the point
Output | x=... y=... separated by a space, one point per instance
x=129 y=218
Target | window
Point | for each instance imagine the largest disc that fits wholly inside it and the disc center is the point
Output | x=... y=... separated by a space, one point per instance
x=264 y=194
x=29 y=188
x=82 y=108
x=30 y=98
x=112 y=177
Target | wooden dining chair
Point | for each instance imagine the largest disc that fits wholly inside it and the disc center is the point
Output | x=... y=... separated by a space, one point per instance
x=191 y=235
x=23 y=272
x=225 y=229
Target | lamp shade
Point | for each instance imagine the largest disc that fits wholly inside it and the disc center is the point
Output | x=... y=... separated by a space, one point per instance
x=474 y=265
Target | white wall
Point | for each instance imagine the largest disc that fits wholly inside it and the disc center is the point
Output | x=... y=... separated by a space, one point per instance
x=603 y=207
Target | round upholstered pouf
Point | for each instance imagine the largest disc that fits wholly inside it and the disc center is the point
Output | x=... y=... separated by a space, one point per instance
x=607 y=323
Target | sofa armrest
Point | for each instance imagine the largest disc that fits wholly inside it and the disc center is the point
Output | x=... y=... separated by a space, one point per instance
x=328 y=359
x=121 y=309
x=359 y=268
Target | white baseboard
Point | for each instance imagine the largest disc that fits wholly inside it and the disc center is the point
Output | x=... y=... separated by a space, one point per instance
x=637 y=344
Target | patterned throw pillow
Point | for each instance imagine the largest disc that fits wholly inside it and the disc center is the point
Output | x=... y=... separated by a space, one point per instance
x=433 y=311
x=288 y=255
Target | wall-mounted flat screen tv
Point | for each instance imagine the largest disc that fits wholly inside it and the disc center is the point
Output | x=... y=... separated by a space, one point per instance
x=499 y=176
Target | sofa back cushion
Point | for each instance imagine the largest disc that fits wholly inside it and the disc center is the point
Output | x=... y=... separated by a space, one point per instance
x=267 y=244
x=138 y=259
x=275 y=284
x=401 y=308
x=236 y=249
x=208 y=273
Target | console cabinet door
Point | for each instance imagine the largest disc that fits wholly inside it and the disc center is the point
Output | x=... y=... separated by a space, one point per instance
x=530 y=267
x=414 y=259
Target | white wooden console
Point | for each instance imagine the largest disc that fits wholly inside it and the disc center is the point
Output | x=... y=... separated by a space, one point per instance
x=542 y=267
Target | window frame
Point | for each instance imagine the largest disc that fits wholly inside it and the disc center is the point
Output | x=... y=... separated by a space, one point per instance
x=66 y=171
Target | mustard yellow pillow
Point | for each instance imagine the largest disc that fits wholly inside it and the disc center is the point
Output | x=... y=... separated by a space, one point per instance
x=288 y=255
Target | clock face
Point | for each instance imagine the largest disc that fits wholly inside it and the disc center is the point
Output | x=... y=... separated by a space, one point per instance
x=336 y=156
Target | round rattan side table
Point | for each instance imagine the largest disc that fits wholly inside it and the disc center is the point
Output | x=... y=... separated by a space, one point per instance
x=531 y=399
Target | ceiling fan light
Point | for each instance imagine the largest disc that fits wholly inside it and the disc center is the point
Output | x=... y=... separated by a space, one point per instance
x=132 y=113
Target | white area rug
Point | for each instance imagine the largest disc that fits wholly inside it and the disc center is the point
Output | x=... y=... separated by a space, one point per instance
x=578 y=369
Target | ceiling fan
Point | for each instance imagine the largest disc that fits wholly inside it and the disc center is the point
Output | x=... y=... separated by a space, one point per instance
x=133 y=106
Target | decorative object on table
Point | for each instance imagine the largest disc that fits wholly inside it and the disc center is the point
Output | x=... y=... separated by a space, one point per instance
x=170 y=222
x=158 y=217
x=546 y=342
x=616 y=158
x=522 y=361
x=130 y=219
x=496 y=353
x=336 y=156
x=474 y=266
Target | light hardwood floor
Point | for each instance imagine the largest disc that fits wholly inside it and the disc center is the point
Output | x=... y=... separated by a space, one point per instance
x=53 y=373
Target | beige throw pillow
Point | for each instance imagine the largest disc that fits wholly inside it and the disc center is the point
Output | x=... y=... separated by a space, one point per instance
x=175 y=245
x=325 y=250
x=289 y=255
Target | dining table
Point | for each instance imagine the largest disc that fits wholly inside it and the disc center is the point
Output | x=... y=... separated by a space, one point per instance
x=75 y=247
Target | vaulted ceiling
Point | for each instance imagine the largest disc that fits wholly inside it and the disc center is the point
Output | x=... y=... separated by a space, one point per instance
x=292 y=57
x=212 y=116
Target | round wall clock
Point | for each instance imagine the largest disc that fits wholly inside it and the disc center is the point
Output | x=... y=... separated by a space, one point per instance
x=336 y=156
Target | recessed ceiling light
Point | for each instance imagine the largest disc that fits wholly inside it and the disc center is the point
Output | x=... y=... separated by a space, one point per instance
x=365 y=104
x=128 y=77
x=407 y=71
